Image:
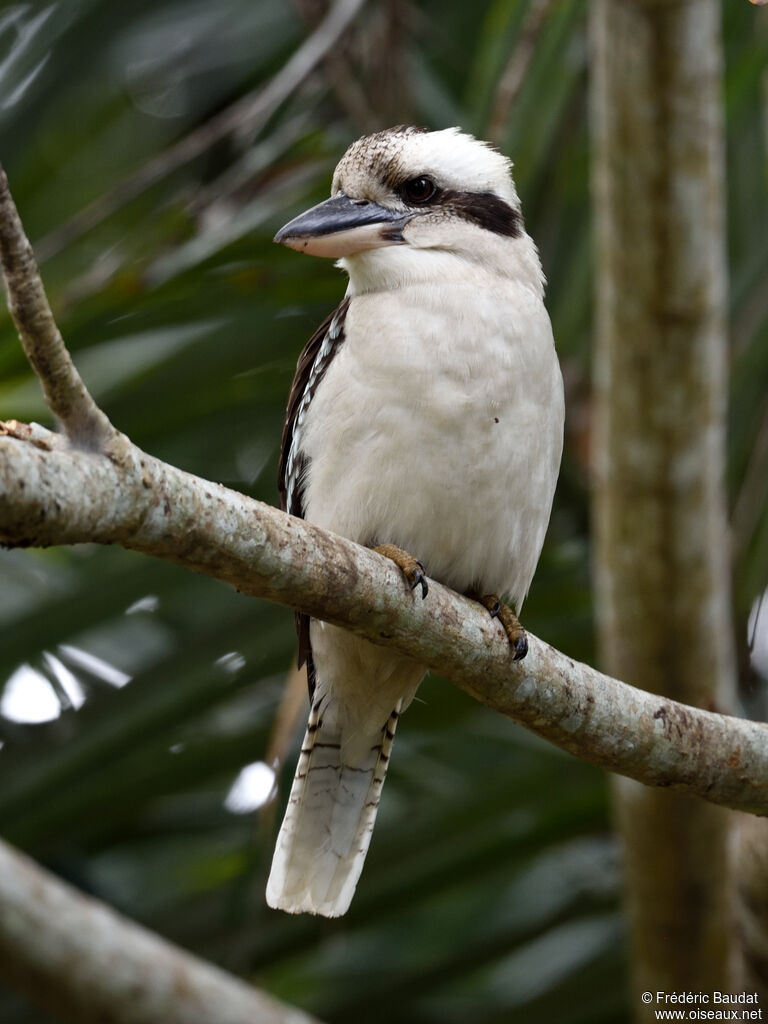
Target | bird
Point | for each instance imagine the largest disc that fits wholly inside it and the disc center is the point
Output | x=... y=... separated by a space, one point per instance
x=425 y=420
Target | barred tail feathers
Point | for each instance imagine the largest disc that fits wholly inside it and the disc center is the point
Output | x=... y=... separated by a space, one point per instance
x=331 y=811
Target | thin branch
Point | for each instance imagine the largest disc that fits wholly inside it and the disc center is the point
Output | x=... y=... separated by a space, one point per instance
x=84 y=962
x=50 y=495
x=353 y=100
x=512 y=77
x=368 y=72
x=248 y=114
x=63 y=387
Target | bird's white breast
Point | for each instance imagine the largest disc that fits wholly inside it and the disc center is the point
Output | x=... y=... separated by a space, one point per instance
x=438 y=427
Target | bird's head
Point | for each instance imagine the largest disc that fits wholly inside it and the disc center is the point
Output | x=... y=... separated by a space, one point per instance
x=407 y=204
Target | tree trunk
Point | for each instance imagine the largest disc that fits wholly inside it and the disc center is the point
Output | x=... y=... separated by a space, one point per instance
x=661 y=543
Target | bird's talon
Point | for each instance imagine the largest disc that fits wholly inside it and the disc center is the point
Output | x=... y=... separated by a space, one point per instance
x=419 y=578
x=520 y=647
x=518 y=641
x=411 y=567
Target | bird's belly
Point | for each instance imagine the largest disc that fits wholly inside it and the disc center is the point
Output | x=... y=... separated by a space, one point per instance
x=450 y=452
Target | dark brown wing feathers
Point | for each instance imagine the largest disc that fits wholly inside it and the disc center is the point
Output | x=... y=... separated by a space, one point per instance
x=314 y=360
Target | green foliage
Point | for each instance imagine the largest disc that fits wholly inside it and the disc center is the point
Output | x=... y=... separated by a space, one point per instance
x=492 y=881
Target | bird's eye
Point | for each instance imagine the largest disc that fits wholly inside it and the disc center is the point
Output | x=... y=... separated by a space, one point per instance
x=419 y=190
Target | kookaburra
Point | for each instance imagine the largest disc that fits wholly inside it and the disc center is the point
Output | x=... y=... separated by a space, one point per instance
x=425 y=420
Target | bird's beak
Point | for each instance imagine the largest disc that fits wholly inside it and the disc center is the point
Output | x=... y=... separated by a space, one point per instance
x=342 y=226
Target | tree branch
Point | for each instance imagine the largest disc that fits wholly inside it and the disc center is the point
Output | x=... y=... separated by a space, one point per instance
x=512 y=77
x=53 y=495
x=81 y=960
x=63 y=387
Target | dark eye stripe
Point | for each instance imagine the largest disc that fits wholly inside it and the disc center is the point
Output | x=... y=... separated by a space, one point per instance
x=485 y=209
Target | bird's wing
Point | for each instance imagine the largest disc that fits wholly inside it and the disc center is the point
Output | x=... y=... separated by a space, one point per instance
x=314 y=360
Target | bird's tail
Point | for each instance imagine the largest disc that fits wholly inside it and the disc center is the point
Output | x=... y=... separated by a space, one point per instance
x=330 y=815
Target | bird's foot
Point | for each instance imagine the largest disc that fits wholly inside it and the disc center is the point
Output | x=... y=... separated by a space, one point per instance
x=518 y=641
x=411 y=567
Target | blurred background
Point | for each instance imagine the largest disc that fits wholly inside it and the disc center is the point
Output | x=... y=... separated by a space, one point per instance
x=153 y=150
